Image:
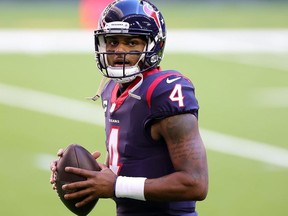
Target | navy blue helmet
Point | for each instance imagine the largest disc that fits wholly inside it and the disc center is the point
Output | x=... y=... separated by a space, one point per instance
x=131 y=17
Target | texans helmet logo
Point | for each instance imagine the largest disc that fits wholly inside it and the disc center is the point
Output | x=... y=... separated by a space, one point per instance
x=148 y=9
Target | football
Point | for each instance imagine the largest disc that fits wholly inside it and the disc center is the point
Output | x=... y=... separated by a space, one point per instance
x=74 y=156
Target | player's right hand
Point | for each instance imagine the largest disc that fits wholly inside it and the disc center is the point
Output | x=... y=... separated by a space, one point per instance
x=53 y=169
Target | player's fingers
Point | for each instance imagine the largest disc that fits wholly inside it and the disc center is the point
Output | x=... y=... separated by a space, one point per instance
x=53 y=165
x=54 y=187
x=78 y=194
x=52 y=180
x=102 y=166
x=80 y=185
x=53 y=173
x=60 y=152
x=81 y=172
x=96 y=154
x=77 y=171
x=85 y=201
x=74 y=186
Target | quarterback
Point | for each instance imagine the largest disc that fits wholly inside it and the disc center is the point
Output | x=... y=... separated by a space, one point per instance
x=156 y=160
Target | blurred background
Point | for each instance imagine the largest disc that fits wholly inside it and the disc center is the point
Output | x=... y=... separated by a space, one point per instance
x=235 y=53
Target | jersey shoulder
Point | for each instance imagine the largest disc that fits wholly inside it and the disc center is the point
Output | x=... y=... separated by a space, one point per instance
x=167 y=85
x=170 y=93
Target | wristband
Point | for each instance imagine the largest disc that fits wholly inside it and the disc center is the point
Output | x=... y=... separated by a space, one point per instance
x=130 y=187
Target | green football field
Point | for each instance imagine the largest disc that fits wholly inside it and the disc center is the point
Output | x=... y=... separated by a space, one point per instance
x=243 y=111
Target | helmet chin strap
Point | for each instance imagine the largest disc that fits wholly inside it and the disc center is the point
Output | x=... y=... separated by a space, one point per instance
x=100 y=88
x=131 y=91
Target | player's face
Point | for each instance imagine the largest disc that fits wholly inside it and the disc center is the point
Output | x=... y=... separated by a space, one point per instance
x=119 y=44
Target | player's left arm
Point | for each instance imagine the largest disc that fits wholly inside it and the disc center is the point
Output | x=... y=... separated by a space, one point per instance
x=188 y=155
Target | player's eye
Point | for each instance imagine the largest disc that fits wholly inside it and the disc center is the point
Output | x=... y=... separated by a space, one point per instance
x=111 y=41
x=132 y=43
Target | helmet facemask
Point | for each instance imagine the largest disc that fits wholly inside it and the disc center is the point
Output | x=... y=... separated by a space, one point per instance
x=123 y=73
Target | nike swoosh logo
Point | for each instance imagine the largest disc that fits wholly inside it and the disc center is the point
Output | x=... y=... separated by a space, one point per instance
x=172 y=80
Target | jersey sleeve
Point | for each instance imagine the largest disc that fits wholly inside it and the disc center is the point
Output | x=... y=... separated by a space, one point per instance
x=173 y=95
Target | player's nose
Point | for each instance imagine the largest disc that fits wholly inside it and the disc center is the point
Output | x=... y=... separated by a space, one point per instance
x=121 y=48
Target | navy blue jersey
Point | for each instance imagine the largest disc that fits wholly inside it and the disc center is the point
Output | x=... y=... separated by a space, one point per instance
x=131 y=149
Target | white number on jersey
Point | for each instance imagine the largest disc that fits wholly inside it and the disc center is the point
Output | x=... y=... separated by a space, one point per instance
x=177 y=95
x=114 y=158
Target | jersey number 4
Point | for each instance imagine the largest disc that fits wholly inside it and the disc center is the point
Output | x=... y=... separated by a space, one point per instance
x=114 y=156
x=177 y=95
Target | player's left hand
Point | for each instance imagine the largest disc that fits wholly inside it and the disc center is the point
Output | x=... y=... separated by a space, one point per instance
x=53 y=166
x=99 y=184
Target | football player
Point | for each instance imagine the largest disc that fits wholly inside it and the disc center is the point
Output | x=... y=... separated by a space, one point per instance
x=156 y=159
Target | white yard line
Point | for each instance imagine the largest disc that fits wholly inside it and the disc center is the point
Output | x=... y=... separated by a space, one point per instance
x=245 y=148
x=93 y=114
x=276 y=97
x=268 y=60
x=178 y=41
x=51 y=104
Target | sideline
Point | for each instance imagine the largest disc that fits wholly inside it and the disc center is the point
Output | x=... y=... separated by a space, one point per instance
x=178 y=41
x=93 y=114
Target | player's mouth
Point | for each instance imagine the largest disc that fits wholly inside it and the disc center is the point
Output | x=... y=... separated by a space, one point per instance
x=121 y=63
